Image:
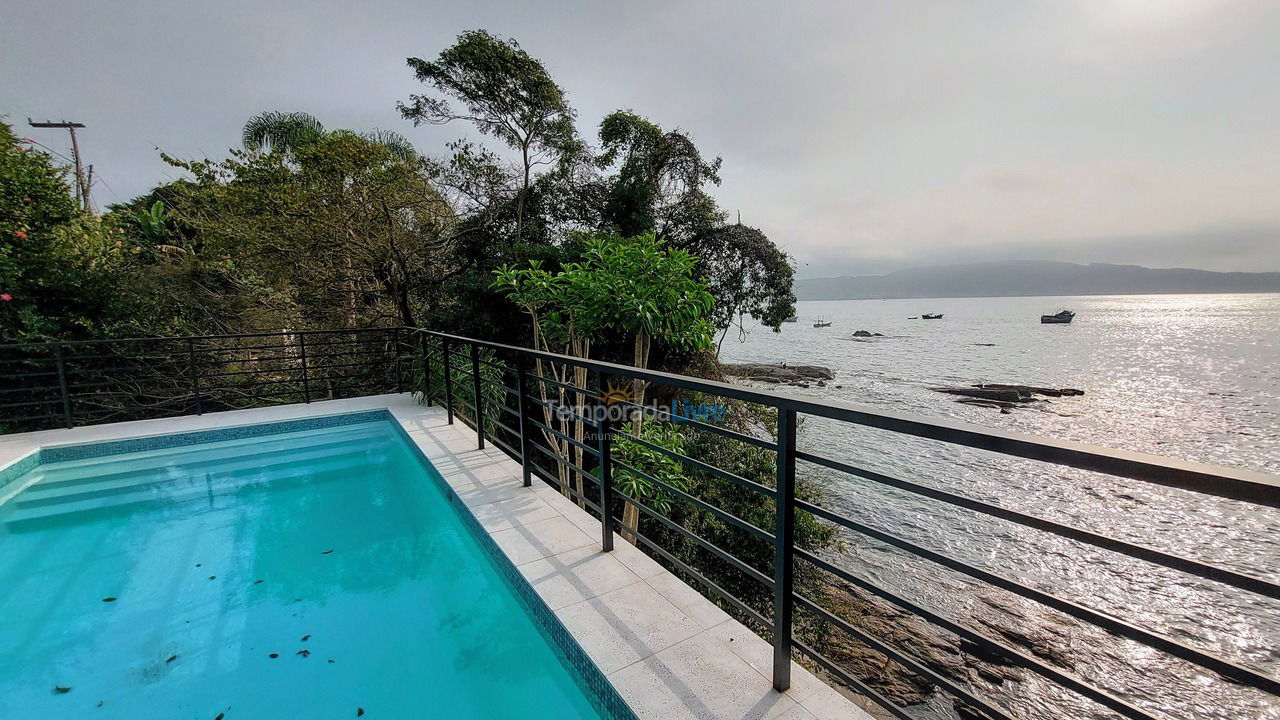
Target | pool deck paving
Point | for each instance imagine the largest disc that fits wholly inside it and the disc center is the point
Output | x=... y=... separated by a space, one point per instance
x=668 y=651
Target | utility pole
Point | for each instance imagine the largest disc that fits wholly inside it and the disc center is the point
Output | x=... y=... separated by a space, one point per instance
x=82 y=186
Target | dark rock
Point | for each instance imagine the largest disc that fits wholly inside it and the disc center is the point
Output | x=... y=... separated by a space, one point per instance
x=789 y=373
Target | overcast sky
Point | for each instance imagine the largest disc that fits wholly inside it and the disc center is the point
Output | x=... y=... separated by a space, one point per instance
x=861 y=136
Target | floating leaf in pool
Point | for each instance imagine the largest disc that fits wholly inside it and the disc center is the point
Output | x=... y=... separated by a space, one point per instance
x=330 y=659
x=108 y=599
x=170 y=659
x=212 y=577
x=273 y=656
x=306 y=638
x=255 y=582
x=219 y=716
x=62 y=689
x=359 y=711
x=326 y=552
x=198 y=564
x=304 y=653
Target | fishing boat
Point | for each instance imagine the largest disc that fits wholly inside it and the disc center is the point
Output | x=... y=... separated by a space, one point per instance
x=1059 y=318
x=819 y=323
x=931 y=316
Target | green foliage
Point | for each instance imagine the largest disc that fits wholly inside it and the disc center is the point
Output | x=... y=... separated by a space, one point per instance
x=60 y=268
x=506 y=94
x=660 y=176
x=344 y=231
x=650 y=462
x=281 y=131
x=628 y=286
x=748 y=275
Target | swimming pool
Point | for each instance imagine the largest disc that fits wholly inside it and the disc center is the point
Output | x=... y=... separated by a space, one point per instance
x=311 y=569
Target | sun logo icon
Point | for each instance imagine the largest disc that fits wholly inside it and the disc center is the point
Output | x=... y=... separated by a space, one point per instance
x=616 y=392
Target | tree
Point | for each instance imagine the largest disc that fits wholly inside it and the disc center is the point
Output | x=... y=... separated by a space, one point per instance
x=748 y=275
x=346 y=229
x=289 y=132
x=506 y=94
x=659 y=180
x=60 y=267
x=632 y=288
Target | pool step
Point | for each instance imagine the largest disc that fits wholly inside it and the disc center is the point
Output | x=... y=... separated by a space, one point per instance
x=204 y=473
x=191 y=457
x=93 y=508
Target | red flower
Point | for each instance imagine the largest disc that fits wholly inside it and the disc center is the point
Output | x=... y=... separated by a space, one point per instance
x=20 y=234
x=6 y=297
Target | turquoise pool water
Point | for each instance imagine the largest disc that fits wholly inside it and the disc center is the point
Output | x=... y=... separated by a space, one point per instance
x=307 y=574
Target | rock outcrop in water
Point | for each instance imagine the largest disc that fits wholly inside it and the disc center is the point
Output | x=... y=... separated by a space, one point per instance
x=1004 y=397
x=789 y=374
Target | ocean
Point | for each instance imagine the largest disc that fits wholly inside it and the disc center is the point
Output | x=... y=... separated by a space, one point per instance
x=1183 y=376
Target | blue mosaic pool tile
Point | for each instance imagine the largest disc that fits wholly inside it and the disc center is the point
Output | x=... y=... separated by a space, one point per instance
x=603 y=696
x=161 y=442
x=17 y=469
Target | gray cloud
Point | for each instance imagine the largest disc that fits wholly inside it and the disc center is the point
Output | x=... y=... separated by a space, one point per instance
x=858 y=135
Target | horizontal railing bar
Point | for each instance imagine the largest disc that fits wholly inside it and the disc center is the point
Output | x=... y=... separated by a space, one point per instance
x=699 y=465
x=263 y=371
x=495 y=383
x=511 y=452
x=724 y=432
x=726 y=516
x=1198 y=477
x=586 y=392
x=719 y=591
x=55 y=418
x=506 y=427
x=562 y=436
x=559 y=409
x=1226 y=668
x=49 y=373
x=33 y=389
x=859 y=686
x=29 y=403
x=75 y=343
x=900 y=657
x=1188 y=565
x=552 y=454
x=574 y=495
x=724 y=555
x=1018 y=658
x=501 y=406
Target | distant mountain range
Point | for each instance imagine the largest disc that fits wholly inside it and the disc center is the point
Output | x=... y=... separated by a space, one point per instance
x=1033 y=277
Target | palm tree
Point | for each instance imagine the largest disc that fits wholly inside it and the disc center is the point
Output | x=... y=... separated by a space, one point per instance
x=281 y=131
x=288 y=132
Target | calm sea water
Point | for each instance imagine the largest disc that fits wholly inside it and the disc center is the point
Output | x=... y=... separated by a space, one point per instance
x=303 y=575
x=1194 y=376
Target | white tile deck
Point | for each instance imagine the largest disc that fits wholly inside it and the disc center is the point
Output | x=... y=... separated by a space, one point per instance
x=669 y=652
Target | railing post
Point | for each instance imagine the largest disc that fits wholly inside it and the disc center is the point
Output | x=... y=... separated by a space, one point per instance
x=195 y=375
x=62 y=384
x=426 y=367
x=604 y=446
x=448 y=378
x=395 y=344
x=784 y=549
x=479 y=404
x=306 y=381
x=521 y=369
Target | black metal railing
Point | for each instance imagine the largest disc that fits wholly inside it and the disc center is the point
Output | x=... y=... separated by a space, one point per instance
x=534 y=407
x=68 y=384
x=531 y=437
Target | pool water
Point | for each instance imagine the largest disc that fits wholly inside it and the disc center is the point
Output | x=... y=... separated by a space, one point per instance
x=308 y=574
